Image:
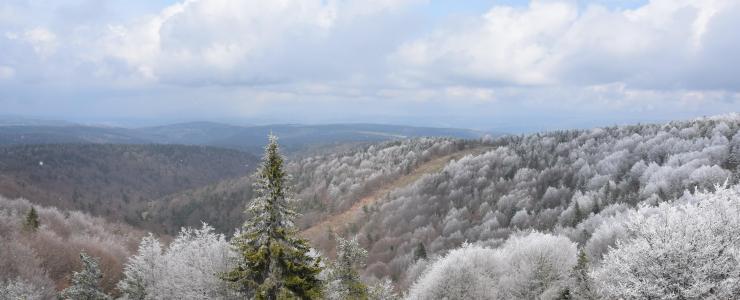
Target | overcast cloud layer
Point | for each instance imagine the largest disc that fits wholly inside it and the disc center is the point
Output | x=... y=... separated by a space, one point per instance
x=483 y=64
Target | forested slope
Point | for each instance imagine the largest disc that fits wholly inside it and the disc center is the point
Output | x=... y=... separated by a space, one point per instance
x=347 y=221
x=325 y=184
x=45 y=257
x=631 y=212
x=627 y=212
x=113 y=180
x=549 y=181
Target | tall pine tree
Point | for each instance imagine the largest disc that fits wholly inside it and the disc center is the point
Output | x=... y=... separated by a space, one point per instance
x=86 y=283
x=343 y=279
x=420 y=252
x=583 y=288
x=273 y=262
x=31 y=223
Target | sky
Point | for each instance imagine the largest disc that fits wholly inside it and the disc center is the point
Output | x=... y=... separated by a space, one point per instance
x=510 y=65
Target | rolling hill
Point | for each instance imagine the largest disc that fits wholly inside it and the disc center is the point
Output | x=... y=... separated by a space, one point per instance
x=67 y=134
x=113 y=180
x=295 y=138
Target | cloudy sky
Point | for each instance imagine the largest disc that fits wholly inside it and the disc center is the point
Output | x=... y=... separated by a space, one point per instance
x=486 y=64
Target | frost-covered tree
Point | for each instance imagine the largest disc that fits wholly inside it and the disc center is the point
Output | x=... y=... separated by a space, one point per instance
x=86 y=283
x=187 y=269
x=343 y=280
x=679 y=251
x=469 y=272
x=537 y=266
x=272 y=260
x=143 y=270
x=532 y=266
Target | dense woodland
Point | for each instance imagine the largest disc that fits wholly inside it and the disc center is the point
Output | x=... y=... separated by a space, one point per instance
x=563 y=182
x=632 y=212
x=114 y=181
x=325 y=184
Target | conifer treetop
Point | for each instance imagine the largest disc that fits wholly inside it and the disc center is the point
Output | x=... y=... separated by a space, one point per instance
x=271 y=216
x=86 y=283
x=273 y=262
x=32 y=220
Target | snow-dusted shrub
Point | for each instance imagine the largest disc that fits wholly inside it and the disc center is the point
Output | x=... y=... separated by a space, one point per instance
x=684 y=251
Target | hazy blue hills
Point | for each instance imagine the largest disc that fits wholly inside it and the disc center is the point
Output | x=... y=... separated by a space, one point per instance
x=248 y=138
x=68 y=134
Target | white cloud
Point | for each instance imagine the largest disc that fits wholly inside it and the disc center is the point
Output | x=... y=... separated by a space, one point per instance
x=685 y=44
x=664 y=43
x=505 y=44
x=221 y=41
x=43 y=41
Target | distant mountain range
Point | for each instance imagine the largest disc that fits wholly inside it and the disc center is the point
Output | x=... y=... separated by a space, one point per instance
x=293 y=137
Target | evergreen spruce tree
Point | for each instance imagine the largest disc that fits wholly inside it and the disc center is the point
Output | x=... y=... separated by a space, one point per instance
x=579 y=214
x=344 y=280
x=31 y=222
x=733 y=160
x=420 y=252
x=273 y=263
x=86 y=283
x=582 y=288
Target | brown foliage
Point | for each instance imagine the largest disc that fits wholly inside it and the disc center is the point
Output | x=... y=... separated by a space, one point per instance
x=51 y=254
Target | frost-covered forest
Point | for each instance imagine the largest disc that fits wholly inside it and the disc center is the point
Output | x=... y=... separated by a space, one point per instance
x=567 y=183
x=370 y=150
x=325 y=184
x=630 y=212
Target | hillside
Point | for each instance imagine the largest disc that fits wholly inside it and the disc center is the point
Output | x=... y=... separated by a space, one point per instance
x=349 y=220
x=67 y=134
x=191 y=133
x=46 y=257
x=325 y=184
x=301 y=137
x=567 y=181
x=113 y=180
x=547 y=194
